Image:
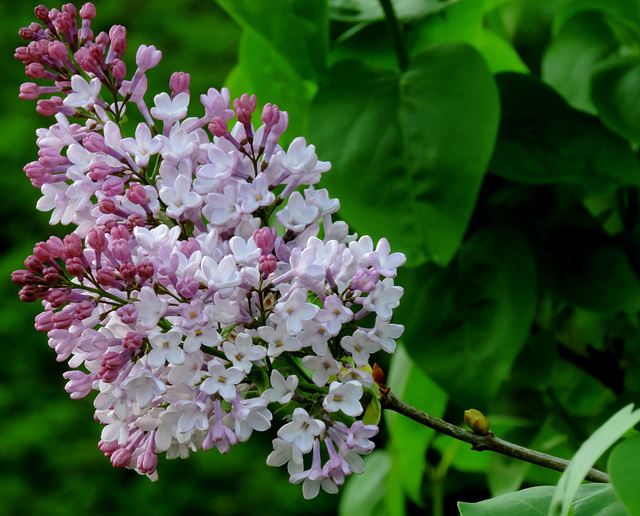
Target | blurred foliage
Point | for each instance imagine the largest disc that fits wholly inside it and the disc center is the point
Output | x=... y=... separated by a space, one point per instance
x=503 y=161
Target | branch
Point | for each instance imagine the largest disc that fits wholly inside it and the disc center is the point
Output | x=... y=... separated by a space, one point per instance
x=482 y=442
x=395 y=27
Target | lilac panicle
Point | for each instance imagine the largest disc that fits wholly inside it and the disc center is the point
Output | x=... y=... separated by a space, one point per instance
x=197 y=258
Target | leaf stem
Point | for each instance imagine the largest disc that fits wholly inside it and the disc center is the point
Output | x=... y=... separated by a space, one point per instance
x=483 y=442
x=396 y=34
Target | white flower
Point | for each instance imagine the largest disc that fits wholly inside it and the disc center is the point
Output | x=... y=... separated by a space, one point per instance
x=222 y=380
x=243 y=352
x=302 y=430
x=85 y=94
x=297 y=215
x=323 y=367
x=344 y=397
x=165 y=347
x=282 y=390
x=295 y=310
x=360 y=347
x=144 y=386
x=150 y=307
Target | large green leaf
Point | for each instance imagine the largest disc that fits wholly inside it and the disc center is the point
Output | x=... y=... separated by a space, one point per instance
x=409 y=151
x=364 y=494
x=466 y=324
x=616 y=94
x=544 y=141
x=409 y=440
x=298 y=30
x=625 y=12
x=623 y=469
x=590 y=500
x=582 y=43
x=586 y=456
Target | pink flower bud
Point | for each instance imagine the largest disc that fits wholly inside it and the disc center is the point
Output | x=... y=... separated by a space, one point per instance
x=51 y=275
x=79 y=384
x=264 y=239
x=84 y=309
x=98 y=170
x=62 y=320
x=88 y=11
x=113 y=186
x=132 y=341
x=105 y=277
x=94 y=142
x=30 y=293
x=179 y=82
x=96 y=239
x=147 y=462
x=121 y=458
x=33 y=264
x=42 y=252
x=120 y=231
x=145 y=271
x=218 y=127
x=58 y=50
x=72 y=246
x=44 y=321
x=57 y=297
x=270 y=114
x=56 y=246
x=147 y=57
x=42 y=13
x=268 y=264
x=244 y=107
x=137 y=194
x=128 y=313
x=75 y=267
x=34 y=71
x=188 y=287
x=107 y=206
x=118 y=69
x=70 y=9
x=22 y=278
x=128 y=271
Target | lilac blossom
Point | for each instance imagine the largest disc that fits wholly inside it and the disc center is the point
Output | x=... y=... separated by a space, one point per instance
x=196 y=268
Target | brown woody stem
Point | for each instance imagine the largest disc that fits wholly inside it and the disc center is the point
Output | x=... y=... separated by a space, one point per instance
x=483 y=442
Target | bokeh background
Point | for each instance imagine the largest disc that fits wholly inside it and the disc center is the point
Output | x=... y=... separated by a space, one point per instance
x=49 y=460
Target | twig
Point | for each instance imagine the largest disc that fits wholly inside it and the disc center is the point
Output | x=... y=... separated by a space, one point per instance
x=482 y=442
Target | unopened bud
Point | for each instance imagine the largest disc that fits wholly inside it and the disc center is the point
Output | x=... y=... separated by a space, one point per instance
x=477 y=421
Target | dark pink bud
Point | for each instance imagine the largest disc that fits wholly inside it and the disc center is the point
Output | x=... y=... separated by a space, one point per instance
x=96 y=239
x=33 y=264
x=270 y=114
x=88 y=11
x=105 y=277
x=42 y=252
x=96 y=52
x=121 y=458
x=49 y=158
x=70 y=9
x=64 y=22
x=108 y=448
x=120 y=249
x=99 y=170
x=120 y=232
x=57 y=297
x=244 y=107
x=56 y=246
x=34 y=71
x=137 y=194
x=51 y=275
x=84 y=309
x=264 y=239
x=22 y=278
x=86 y=61
x=128 y=271
x=35 y=51
x=42 y=13
x=62 y=320
x=118 y=69
x=72 y=246
x=58 y=50
x=189 y=246
x=132 y=341
x=94 y=142
x=179 y=82
x=135 y=220
x=267 y=264
x=48 y=107
x=145 y=271
x=30 y=293
x=107 y=206
x=147 y=462
x=75 y=267
x=44 y=321
x=111 y=364
x=103 y=39
x=188 y=287
x=22 y=54
x=218 y=127
x=26 y=33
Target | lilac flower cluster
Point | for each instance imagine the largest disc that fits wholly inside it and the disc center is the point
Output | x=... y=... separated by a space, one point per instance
x=205 y=279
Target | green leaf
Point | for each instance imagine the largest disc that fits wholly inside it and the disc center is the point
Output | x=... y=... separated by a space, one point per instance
x=544 y=141
x=465 y=324
x=373 y=413
x=582 y=43
x=623 y=470
x=409 y=152
x=499 y=53
x=298 y=30
x=588 y=454
x=623 y=11
x=409 y=440
x=364 y=494
x=590 y=500
x=616 y=94
x=370 y=10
